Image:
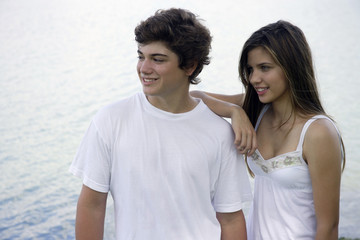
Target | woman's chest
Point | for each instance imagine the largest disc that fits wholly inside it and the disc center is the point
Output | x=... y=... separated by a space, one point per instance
x=274 y=141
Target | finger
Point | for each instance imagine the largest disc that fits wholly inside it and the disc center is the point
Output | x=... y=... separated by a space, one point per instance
x=243 y=147
x=249 y=142
x=254 y=145
x=237 y=140
x=242 y=150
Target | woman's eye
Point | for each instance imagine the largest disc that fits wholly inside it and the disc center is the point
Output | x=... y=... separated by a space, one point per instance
x=265 y=68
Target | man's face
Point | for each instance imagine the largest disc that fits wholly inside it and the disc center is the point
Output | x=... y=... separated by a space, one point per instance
x=159 y=72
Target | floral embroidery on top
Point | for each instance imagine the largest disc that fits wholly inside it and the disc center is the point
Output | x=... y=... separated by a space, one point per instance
x=281 y=161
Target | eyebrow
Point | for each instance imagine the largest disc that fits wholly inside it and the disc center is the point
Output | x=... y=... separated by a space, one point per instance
x=154 y=54
x=260 y=64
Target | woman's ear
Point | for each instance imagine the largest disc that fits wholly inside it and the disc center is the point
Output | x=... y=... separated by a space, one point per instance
x=191 y=69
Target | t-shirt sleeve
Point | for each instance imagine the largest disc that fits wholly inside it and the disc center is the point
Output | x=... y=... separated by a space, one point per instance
x=92 y=160
x=233 y=187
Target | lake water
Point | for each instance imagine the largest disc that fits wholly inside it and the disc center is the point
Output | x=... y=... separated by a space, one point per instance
x=61 y=60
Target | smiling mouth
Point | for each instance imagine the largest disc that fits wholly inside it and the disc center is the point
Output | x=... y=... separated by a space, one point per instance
x=149 y=80
x=261 y=89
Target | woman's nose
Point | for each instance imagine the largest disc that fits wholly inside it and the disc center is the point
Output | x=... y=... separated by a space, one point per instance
x=255 y=77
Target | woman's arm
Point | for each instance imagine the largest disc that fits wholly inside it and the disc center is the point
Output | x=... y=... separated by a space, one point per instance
x=229 y=106
x=90 y=214
x=322 y=151
x=237 y=99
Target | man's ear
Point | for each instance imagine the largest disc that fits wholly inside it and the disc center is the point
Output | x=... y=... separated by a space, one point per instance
x=191 y=69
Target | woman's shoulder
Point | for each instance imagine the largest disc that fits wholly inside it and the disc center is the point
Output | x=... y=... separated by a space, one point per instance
x=322 y=127
x=322 y=138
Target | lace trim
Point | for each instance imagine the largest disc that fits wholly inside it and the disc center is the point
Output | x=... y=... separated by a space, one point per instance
x=281 y=161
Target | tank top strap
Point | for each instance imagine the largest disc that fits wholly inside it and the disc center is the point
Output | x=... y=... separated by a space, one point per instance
x=306 y=126
x=263 y=111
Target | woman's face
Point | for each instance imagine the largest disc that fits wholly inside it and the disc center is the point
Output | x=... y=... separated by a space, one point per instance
x=267 y=78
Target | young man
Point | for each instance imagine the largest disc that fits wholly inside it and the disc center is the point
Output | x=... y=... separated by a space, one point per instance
x=170 y=177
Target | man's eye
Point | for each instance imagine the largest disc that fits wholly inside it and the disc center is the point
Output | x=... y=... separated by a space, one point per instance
x=158 y=60
x=140 y=57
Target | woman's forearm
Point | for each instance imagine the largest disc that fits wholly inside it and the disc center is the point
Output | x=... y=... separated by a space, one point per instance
x=217 y=105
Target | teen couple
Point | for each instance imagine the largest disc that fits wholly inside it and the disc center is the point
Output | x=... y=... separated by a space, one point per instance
x=175 y=168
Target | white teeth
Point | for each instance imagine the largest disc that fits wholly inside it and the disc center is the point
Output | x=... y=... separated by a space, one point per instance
x=148 y=80
x=261 y=89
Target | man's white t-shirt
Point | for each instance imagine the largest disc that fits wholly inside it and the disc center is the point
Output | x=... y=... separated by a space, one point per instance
x=168 y=173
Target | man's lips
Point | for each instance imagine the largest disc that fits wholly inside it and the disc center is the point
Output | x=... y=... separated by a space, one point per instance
x=149 y=80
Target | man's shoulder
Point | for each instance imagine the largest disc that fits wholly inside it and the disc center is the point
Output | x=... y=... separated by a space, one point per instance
x=216 y=119
x=217 y=124
x=121 y=104
x=119 y=108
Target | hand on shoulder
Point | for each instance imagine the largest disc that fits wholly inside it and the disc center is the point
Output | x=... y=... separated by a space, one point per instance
x=245 y=135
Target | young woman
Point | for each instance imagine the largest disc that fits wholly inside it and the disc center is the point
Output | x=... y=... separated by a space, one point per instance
x=298 y=162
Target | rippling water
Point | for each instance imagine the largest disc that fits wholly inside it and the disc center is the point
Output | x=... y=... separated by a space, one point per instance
x=62 y=60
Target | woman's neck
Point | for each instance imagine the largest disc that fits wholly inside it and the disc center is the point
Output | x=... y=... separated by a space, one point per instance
x=281 y=113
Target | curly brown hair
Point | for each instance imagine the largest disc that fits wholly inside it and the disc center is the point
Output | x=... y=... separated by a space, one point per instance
x=183 y=33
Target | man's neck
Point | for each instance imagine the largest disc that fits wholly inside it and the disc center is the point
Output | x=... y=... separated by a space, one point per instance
x=173 y=104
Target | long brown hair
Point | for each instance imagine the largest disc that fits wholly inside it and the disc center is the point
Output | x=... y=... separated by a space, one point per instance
x=287 y=45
